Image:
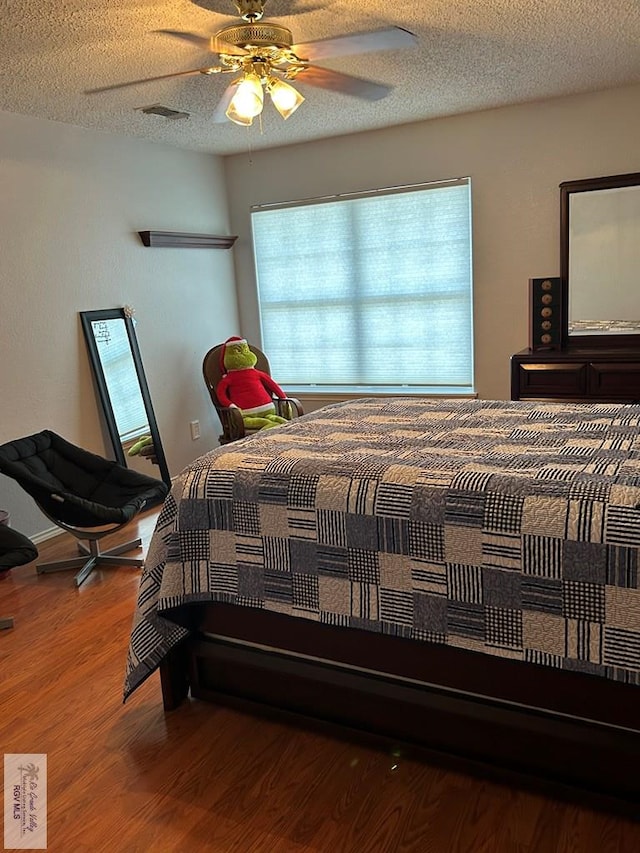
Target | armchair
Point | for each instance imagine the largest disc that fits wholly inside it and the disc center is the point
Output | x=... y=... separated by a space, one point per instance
x=233 y=426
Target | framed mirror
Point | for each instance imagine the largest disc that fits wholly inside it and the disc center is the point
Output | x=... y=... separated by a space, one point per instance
x=122 y=387
x=600 y=260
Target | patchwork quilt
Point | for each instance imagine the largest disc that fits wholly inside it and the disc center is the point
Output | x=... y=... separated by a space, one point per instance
x=507 y=528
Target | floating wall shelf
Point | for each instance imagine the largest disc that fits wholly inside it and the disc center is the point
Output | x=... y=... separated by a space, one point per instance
x=178 y=240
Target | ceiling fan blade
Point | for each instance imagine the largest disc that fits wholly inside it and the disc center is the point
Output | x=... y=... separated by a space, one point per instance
x=391 y=38
x=205 y=70
x=205 y=42
x=324 y=78
x=219 y=114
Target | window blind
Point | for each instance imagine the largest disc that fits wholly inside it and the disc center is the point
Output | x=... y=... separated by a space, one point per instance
x=368 y=290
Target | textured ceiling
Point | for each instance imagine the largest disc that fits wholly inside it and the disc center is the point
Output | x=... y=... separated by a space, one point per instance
x=471 y=55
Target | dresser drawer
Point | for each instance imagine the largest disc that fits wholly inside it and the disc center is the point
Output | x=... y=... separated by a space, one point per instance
x=614 y=380
x=553 y=379
x=580 y=375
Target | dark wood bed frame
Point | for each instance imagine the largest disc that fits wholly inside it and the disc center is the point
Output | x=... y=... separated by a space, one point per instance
x=565 y=733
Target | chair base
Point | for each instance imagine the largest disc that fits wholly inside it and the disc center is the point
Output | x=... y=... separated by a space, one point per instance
x=6 y=622
x=92 y=557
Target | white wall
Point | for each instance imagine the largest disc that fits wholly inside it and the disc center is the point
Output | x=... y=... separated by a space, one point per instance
x=71 y=203
x=516 y=157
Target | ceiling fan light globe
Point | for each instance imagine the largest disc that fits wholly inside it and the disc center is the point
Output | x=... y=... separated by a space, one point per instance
x=285 y=98
x=237 y=119
x=247 y=101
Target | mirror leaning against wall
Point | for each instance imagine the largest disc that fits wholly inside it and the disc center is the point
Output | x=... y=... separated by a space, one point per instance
x=122 y=387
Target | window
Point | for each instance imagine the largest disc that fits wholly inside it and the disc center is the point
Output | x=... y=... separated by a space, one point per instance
x=369 y=291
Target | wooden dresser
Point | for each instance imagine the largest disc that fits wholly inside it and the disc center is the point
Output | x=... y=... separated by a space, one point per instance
x=583 y=375
x=584 y=325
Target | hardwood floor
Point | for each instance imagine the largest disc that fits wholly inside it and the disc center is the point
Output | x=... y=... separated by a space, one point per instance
x=132 y=778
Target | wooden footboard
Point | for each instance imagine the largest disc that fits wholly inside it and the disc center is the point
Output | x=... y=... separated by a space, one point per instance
x=574 y=734
x=174 y=675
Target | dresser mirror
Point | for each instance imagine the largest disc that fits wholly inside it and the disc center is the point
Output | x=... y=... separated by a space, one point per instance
x=122 y=388
x=600 y=261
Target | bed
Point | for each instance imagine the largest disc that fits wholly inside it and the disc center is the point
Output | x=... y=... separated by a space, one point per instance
x=460 y=575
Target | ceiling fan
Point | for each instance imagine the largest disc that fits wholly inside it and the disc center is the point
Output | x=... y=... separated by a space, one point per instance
x=264 y=56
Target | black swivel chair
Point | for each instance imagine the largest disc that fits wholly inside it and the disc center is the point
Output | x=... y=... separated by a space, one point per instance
x=82 y=493
x=15 y=550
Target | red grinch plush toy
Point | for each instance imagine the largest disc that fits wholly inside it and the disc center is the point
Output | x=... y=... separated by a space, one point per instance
x=246 y=388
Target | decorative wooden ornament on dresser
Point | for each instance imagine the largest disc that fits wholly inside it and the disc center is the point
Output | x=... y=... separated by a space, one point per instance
x=545 y=313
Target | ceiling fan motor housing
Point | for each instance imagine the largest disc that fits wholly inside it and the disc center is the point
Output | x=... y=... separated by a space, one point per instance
x=258 y=34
